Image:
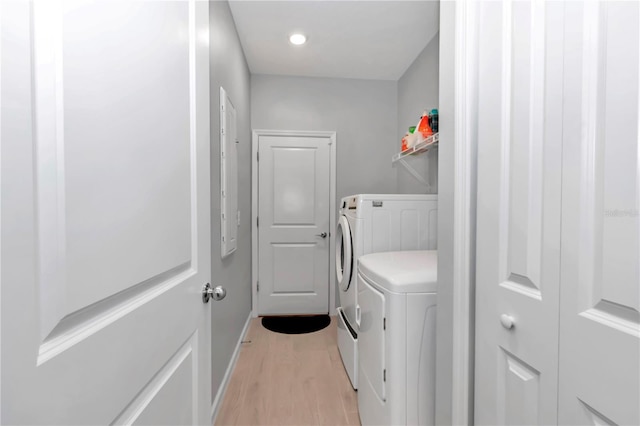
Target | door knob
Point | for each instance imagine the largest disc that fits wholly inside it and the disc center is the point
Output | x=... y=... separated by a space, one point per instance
x=217 y=293
x=323 y=235
x=507 y=321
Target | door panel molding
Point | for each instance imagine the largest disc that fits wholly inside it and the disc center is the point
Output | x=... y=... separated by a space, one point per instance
x=64 y=323
x=77 y=326
x=600 y=293
x=186 y=356
x=522 y=142
x=518 y=390
x=601 y=156
x=46 y=33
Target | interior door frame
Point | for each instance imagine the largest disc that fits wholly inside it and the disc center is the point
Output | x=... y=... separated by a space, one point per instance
x=459 y=29
x=255 y=140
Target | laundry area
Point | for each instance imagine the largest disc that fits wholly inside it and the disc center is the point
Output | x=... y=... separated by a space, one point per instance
x=306 y=212
x=345 y=142
x=344 y=160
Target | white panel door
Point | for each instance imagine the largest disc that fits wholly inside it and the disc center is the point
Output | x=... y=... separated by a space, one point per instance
x=293 y=231
x=518 y=212
x=229 y=216
x=600 y=299
x=105 y=212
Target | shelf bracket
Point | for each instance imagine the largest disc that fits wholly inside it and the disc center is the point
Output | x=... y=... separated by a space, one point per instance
x=421 y=147
x=413 y=172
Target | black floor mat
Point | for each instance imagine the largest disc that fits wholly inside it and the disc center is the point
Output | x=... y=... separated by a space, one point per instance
x=296 y=325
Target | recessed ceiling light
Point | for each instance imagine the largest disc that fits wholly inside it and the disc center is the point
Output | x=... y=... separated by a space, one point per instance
x=298 y=39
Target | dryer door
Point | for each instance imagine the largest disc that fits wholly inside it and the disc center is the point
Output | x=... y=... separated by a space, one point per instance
x=344 y=254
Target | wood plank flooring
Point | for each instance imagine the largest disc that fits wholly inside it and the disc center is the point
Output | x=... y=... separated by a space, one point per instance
x=283 y=379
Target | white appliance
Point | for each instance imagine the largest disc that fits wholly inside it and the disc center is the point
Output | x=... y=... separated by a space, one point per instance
x=397 y=337
x=371 y=223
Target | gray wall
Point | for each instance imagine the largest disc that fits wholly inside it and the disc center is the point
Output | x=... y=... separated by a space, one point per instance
x=417 y=91
x=229 y=69
x=362 y=112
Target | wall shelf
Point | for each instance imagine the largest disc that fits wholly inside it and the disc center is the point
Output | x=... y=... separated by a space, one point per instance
x=422 y=146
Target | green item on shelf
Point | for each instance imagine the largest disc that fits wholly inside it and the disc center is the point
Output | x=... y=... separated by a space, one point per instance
x=412 y=129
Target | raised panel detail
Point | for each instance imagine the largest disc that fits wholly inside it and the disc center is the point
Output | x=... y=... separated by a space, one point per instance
x=115 y=171
x=594 y=417
x=294 y=186
x=127 y=201
x=294 y=268
x=611 y=222
x=77 y=326
x=599 y=319
x=621 y=171
x=163 y=401
x=518 y=389
x=524 y=150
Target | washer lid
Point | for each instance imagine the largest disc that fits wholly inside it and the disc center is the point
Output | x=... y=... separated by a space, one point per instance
x=413 y=271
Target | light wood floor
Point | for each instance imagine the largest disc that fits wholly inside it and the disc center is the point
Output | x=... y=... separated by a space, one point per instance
x=283 y=379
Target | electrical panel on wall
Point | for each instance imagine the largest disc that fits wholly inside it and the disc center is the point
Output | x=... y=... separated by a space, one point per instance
x=229 y=214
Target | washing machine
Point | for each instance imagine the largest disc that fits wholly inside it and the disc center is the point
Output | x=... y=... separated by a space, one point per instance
x=370 y=223
x=397 y=337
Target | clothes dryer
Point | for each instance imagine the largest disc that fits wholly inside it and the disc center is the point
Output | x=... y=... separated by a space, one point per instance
x=397 y=337
x=371 y=223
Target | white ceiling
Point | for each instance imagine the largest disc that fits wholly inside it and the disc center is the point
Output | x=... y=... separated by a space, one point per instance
x=346 y=39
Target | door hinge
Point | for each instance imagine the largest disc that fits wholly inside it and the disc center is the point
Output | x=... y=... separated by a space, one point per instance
x=257 y=222
x=257 y=285
x=384 y=375
x=384 y=323
x=258 y=156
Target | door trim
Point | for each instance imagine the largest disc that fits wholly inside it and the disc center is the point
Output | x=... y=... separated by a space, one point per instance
x=254 y=208
x=464 y=214
x=456 y=353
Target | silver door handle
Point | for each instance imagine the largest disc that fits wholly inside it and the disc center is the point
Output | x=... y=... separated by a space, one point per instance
x=323 y=235
x=217 y=293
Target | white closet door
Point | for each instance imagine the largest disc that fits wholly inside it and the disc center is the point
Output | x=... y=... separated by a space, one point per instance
x=518 y=240
x=600 y=301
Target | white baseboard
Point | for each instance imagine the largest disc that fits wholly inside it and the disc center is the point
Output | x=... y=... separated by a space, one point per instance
x=215 y=407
